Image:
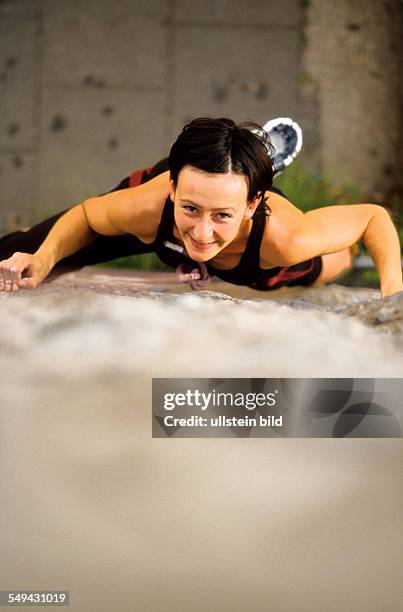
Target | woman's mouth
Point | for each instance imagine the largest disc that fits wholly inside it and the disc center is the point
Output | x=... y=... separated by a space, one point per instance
x=200 y=246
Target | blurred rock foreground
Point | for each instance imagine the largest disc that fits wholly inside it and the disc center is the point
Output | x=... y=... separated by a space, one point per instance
x=92 y=504
x=147 y=321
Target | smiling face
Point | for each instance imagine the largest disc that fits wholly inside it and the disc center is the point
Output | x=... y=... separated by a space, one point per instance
x=211 y=210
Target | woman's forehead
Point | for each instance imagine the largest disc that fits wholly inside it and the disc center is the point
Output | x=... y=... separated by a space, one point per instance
x=193 y=183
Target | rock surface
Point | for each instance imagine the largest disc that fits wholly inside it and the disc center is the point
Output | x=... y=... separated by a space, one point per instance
x=149 y=321
x=93 y=504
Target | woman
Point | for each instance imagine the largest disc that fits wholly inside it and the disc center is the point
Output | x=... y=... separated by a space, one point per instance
x=216 y=208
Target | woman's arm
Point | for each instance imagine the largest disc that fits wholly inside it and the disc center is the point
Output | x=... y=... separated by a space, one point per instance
x=137 y=211
x=331 y=229
x=367 y=222
x=69 y=234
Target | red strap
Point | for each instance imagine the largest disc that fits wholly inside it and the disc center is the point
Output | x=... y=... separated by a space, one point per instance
x=285 y=274
x=137 y=177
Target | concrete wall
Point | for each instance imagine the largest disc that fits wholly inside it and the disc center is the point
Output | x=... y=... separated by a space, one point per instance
x=353 y=67
x=92 y=89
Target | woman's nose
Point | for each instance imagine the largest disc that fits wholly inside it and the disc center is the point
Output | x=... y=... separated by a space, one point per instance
x=203 y=229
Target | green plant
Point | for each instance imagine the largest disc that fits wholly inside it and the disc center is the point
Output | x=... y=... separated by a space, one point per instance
x=395 y=207
x=145 y=261
x=309 y=191
x=370 y=276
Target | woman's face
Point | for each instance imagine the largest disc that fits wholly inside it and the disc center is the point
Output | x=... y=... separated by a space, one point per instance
x=210 y=210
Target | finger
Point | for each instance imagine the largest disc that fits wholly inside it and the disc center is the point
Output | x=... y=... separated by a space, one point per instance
x=3 y=276
x=27 y=283
x=18 y=269
x=21 y=262
x=22 y=284
x=13 y=275
x=11 y=270
x=10 y=273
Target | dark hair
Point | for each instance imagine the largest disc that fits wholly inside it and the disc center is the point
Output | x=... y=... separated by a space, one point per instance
x=222 y=146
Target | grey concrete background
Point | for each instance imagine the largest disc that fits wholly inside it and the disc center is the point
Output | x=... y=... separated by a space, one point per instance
x=90 y=90
x=353 y=64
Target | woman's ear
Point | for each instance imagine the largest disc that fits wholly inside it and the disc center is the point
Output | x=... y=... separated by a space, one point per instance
x=172 y=189
x=252 y=206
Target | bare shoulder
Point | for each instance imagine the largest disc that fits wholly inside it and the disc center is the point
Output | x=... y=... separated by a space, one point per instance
x=136 y=210
x=143 y=206
x=280 y=229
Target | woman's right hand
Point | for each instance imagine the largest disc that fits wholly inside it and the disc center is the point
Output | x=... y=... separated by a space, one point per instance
x=12 y=269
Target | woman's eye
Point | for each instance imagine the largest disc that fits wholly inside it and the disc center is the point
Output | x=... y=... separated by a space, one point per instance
x=192 y=209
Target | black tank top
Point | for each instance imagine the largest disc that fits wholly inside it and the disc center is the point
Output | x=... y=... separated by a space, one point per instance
x=247 y=272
